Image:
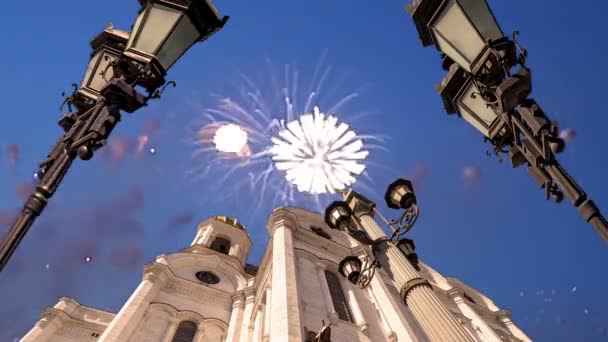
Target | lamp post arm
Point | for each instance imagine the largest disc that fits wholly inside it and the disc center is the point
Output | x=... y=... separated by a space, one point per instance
x=533 y=136
x=89 y=132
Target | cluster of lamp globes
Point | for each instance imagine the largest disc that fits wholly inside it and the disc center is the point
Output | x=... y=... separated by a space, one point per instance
x=339 y=215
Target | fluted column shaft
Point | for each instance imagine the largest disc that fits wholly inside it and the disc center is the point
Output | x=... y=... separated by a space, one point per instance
x=267 y=314
x=285 y=300
x=124 y=323
x=233 y=327
x=434 y=318
x=247 y=315
x=329 y=304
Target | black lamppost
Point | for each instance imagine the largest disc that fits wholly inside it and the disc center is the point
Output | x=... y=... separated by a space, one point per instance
x=340 y=215
x=163 y=32
x=488 y=84
x=355 y=216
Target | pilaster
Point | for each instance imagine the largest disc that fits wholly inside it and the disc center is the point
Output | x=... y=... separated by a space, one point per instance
x=488 y=333
x=50 y=322
x=124 y=323
x=173 y=323
x=267 y=314
x=285 y=299
x=332 y=315
x=504 y=316
x=246 y=328
x=355 y=308
x=234 y=329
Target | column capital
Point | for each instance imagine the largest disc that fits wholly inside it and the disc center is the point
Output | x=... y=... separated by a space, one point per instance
x=455 y=292
x=282 y=218
x=238 y=299
x=156 y=272
x=359 y=204
x=503 y=314
x=321 y=265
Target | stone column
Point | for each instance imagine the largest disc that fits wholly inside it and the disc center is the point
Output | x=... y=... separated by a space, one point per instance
x=247 y=314
x=124 y=323
x=329 y=304
x=285 y=300
x=46 y=327
x=504 y=316
x=238 y=303
x=257 y=326
x=488 y=333
x=173 y=323
x=434 y=318
x=354 y=307
x=267 y=315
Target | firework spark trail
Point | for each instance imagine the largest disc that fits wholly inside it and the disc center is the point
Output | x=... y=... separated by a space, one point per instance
x=292 y=147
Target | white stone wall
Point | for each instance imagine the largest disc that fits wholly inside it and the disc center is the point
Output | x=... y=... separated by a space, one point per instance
x=288 y=297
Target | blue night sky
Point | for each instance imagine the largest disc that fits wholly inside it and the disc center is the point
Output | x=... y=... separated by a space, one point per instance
x=495 y=232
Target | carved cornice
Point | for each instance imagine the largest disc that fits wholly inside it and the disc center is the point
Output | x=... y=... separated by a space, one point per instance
x=282 y=217
x=503 y=314
x=201 y=293
x=157 y=273
x=455 y=292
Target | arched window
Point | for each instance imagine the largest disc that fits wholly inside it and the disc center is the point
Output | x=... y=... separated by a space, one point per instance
x=221 y=245
x=337 y=297
x=185 y=332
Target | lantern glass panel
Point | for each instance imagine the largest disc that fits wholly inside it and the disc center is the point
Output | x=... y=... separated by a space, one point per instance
x=475 y=110
x=156 y=27
x=90 y=68
x=182 y=38
x=98 y=81
x=481 y=15
x=452 y=28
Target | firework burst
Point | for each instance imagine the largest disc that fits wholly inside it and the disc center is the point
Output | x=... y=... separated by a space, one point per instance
x=280 y=141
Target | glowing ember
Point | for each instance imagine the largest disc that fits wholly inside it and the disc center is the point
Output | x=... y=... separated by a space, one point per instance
x=230 y=138
x=318 y=154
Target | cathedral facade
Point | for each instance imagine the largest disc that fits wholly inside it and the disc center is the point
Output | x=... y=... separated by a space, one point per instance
x=207 y=292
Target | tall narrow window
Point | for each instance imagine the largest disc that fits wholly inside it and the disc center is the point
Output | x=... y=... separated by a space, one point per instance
x=221 y=245
x=185 y=332
x=337 y=297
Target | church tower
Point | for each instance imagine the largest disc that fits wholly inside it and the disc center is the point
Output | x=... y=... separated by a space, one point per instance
x=207 y=292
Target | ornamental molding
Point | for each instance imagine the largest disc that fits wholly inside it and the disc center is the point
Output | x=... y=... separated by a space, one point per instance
x=202 y=294
x=282 y=217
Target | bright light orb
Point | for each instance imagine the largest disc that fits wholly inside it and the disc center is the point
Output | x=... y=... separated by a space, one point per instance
x=318 y=154
x=230 y=138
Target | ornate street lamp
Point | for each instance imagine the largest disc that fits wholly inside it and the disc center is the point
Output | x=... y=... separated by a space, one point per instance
x=408 y=248
x=483 y=90
x=107 y=48
x=397 y=255
x=350 y=268
x=163 y=32
x=339 y=215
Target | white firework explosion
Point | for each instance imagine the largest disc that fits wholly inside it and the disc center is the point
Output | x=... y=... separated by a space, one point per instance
x=318 y=155
x=278 y=143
